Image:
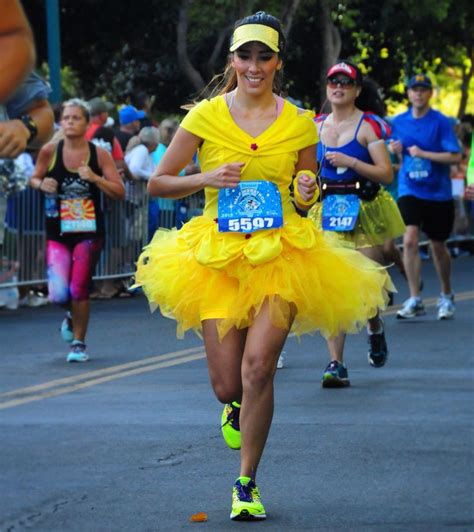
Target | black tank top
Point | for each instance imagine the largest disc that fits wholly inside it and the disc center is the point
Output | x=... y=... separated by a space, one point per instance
x=71 y=186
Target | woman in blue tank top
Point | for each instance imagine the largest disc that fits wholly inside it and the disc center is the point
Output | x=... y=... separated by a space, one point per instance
x=354 y=208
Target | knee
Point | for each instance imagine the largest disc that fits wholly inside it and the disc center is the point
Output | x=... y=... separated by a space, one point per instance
x=256 y=372
x=58 y=295
x=410 y=243
x=226 y=392
x=79 y=293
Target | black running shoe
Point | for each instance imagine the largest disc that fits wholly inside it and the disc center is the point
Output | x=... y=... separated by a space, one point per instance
x=378 y=352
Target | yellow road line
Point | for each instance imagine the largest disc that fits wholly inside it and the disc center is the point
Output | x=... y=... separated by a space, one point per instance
x=99 y=372
x=93 y=378
x=94 y=382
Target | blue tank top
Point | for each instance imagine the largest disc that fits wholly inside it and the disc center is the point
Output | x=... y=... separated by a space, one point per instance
x=353 y=148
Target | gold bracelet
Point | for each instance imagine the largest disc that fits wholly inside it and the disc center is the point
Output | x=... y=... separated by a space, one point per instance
x=297 y=194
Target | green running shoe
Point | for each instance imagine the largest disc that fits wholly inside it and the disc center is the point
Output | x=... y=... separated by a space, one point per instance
x=230 y=425
x=246 y=503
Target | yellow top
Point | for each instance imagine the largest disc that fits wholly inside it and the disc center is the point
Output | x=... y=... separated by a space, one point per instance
x=270 y=156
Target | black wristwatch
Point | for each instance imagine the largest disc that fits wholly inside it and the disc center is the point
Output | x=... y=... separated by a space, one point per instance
x=30 y=125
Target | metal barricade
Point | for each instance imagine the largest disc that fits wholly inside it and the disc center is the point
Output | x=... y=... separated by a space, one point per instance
x=22 y=255
x=127 y=231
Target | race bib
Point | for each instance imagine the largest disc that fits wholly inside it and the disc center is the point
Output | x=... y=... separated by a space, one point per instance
x=340 y=212
x=418 y=168
x=251 y=206
x=78 y=216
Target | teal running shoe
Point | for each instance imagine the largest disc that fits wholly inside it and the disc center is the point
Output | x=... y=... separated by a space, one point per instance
x=78 y=352
x=335 y=375
x=230 y=425
x=66 y=329
x=246 y=503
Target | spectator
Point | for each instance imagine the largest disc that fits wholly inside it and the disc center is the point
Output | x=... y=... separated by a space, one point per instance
x=139 y=158
x=141 y=101
x=129 y=118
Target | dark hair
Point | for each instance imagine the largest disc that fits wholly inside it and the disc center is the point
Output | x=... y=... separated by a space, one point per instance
x=104 y=133
x=370 y=99
x=227 y=81
x=139 y=99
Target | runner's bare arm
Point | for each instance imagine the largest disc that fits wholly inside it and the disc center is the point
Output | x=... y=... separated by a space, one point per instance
x=110 y=182
x=180 y=152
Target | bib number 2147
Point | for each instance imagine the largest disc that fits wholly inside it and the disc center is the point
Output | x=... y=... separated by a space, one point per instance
x=340 y=212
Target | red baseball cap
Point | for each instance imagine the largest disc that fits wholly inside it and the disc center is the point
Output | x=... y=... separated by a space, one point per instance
x=346 y=69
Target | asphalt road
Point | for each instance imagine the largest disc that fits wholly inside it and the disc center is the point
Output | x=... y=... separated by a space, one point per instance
x=131 y=441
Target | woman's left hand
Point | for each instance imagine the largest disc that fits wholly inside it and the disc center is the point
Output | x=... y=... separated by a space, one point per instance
x=87 y=174
x=306 y=187
x=338 y=159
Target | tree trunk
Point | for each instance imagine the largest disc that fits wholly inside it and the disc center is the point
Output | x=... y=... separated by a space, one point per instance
x=288 y=15
x=466 y=79
x=330 y=45
x=182 y=49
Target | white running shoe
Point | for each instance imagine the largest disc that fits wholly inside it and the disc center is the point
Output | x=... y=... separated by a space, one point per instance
x=78 y=352
x=446 y=307
x=281 y=362
x=412 y=307
x=33 y=300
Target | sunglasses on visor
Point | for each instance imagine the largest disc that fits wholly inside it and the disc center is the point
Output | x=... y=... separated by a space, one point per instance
x=343 y=81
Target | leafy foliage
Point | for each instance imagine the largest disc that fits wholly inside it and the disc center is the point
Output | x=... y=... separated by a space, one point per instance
x=120 y=47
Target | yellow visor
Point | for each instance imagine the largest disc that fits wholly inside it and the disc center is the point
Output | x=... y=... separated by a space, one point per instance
x=255 y=32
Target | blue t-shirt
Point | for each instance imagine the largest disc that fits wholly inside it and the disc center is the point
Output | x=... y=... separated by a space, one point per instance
x=33 y=88
x=419 y=177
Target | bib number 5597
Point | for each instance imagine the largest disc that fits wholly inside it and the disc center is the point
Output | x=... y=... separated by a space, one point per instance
x=249 y=224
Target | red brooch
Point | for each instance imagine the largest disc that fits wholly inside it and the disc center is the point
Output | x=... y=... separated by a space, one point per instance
x=247 y=236
x=253 y=146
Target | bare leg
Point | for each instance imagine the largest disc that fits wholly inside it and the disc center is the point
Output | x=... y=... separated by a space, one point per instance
x=80 y=318
x=336 y=347
x=262 y=348
x=224 y=360
x=375 y=253
x=442 y=262
x=392 y=254
x=411 y=259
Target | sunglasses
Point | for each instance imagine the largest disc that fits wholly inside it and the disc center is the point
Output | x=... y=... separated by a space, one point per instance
x=343 y=82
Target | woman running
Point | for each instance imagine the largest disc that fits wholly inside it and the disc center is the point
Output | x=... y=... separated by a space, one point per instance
x=72 y=174
x=354 y=209
x=246 y=272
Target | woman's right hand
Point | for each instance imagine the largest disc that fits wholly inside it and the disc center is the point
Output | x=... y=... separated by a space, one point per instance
x=49 y=185
x=226 y=176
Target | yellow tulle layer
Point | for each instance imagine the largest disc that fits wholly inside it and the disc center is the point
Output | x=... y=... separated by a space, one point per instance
x=379 y=220
x=197 y=273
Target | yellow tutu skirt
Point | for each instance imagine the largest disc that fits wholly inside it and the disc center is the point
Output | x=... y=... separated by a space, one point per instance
x=197 y=273
x=378 y=221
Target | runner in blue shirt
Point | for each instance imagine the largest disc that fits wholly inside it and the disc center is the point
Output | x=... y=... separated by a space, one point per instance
x=426 y=144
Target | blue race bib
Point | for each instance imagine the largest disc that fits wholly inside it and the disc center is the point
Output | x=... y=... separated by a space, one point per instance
x=251 y=206
x=417 y=168
x=340 y=212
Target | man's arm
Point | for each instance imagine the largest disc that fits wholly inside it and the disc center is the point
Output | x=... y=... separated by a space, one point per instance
x=17 y=51
x=443 y=157
x=15 y=135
